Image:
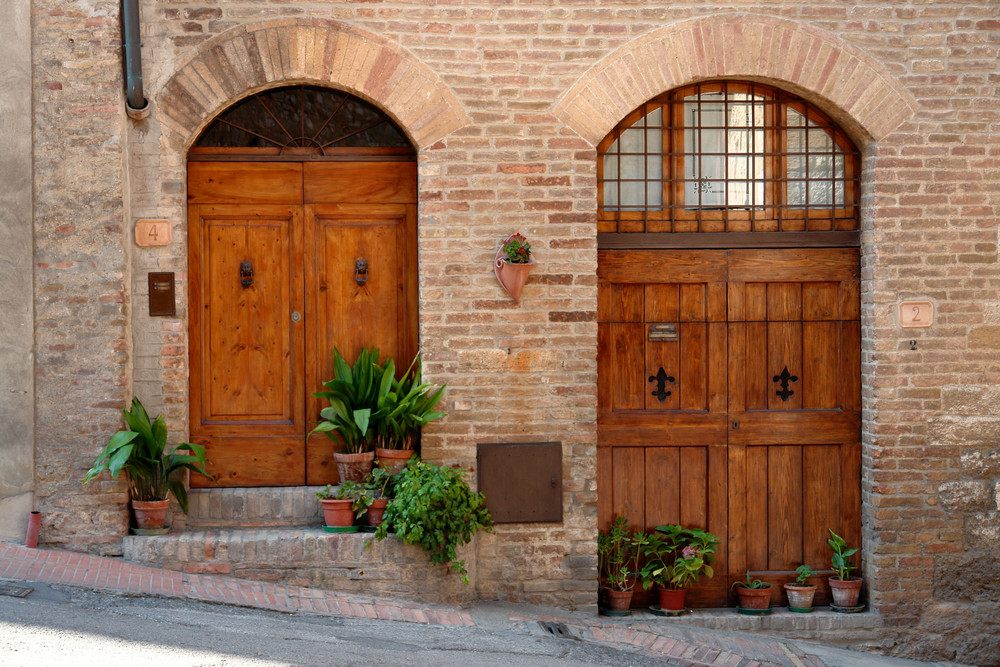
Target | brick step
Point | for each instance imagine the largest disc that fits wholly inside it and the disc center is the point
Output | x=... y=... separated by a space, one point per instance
x=253 y=507
x=308 y=556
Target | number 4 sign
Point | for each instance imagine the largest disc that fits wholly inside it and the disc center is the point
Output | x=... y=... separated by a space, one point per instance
x=916 y=314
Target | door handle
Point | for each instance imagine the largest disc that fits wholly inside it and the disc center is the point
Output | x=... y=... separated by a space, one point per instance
x=361 y=271
x=246 y=274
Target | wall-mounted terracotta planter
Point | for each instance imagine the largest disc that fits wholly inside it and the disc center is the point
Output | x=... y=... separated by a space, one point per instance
x=512 y=276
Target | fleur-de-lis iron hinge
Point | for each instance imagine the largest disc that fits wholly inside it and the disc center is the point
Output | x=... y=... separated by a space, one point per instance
x=784 y=379
x=661 y=379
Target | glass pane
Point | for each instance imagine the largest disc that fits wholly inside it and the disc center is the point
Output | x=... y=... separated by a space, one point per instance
x=796 y=194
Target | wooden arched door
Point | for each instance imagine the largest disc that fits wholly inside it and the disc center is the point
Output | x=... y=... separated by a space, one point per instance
x=293 y=251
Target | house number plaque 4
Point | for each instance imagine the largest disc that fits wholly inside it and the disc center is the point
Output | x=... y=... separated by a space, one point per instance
x=916 y=314
x=152 y=232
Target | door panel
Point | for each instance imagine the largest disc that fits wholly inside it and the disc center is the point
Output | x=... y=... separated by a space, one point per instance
x=754 y=431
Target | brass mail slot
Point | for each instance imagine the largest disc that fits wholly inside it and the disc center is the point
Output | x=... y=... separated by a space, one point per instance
x=663 y=332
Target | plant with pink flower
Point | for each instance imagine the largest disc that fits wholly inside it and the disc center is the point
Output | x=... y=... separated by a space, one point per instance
x=676 y=557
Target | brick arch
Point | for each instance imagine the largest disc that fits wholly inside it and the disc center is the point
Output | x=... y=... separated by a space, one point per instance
x=850 y=85
x=258 y=56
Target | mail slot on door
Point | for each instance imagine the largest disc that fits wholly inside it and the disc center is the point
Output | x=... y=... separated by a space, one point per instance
x=662 y=332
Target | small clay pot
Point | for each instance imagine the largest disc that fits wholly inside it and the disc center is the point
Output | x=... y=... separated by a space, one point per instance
x=393 y=459
x=800 y=596
x=619 y=600
x=376 y=510
x=354 y=467
x=672 y=600
x=845 y=593
x=755 y=598
x=150 y=514
x=338 y=512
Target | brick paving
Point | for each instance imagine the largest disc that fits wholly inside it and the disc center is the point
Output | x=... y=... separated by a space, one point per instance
x=678 y=644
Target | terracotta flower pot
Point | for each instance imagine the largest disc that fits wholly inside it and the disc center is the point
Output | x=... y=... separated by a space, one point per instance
x=376 y=510
x=150 y=515
x=845 y=593
x=672 y=600
x=754 y=598
x=338 y=512
x=393 y=459
x=512 y=276
x=354 y=467
x=800 y=596
x=619 y=600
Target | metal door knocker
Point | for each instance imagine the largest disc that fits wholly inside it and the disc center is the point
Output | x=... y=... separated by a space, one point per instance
x=246 y=274
x=361 y=271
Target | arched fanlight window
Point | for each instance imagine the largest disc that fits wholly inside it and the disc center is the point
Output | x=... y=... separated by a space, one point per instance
x=302 y=122
x=727 y=156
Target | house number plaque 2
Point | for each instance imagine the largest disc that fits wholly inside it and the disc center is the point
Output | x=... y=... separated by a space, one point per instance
x=916 y=314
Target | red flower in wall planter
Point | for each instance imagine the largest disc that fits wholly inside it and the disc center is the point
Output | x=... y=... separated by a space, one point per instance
x=513 y=263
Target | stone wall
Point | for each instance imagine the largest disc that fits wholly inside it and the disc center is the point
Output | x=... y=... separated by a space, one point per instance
x=16 y=336
x=521 y=158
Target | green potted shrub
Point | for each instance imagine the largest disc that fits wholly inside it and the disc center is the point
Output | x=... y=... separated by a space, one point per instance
x=800 y=592
x=755 y=596
x=513 y=263
x=355 y=394
x=407 y=407
x=374 y=495
x=617 y=560
x=846 y=590
x=338 y=506
x=675 y=558
x=141 y=451
x=435 y=508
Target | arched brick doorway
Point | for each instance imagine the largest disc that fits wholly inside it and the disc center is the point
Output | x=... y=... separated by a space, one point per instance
x=301 y=239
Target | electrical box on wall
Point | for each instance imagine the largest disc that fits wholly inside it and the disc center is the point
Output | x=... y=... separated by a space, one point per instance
x=162 y=297
x=522 y=481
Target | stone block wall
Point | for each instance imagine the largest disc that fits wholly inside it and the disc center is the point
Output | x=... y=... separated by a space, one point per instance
x=506 y=103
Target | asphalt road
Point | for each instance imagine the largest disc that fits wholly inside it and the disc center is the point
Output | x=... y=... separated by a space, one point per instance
x=69 y=627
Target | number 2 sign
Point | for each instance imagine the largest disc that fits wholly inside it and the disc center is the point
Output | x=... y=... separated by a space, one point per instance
x=916 y=314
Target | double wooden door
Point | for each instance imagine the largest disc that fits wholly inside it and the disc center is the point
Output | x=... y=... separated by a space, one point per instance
x=729 y=400
x=288 y=260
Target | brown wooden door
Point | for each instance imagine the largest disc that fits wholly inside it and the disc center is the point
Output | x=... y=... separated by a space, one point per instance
x=259 y=351
x=751 y=430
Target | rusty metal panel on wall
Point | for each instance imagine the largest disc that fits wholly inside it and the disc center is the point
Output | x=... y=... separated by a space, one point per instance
x=522 y=481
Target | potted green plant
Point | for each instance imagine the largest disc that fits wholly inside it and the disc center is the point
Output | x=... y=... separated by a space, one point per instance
x=141 y=451
x=374 y=495
x=800 y=593
x=408 y=406
x=513 y=263
x=355 y=394
x=755 y=596
x=675 y=558
x=435 y=508
x=617 y=560
x=338 y=506
x=846 y=590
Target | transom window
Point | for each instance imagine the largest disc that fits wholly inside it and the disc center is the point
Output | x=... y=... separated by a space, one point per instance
x=727 y=156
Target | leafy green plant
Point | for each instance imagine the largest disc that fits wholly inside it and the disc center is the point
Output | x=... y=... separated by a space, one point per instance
x=676 y=557
x=803 y=572
x=617 y=555
x=517 y=249
x=141 y=453
x=407 y=406
x=348 y=490
x=355 y=394
x=751 y=583
x=435 y=508
x=841 y=553
x=377 y=485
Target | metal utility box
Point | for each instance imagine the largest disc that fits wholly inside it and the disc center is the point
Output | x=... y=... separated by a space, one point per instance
x=522 y=481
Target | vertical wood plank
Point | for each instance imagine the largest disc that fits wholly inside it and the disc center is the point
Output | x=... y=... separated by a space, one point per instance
x=717 y=394
x=784 y=349
x=784 y=506
x=661 y=303
x=850 y=300
x=820 y=301
x=736 y=302
x=715 y=302
x=758 y=381
x=849 y=375
x=692 y=383
x=820 y=501
x=756 y=504
x=694 y=487
x=628 y=481
x=718 y=511
x=736 y=342
x=604 y=300
x=605 y=488
x=692 y=303
x=756 y=302
x=626 y=303
x=605 y=368
x=820 y=360
x=662 y=354
x=850 y=495
x=629 y=364
x=784 y=302
x=663 y=486
x=736 y=547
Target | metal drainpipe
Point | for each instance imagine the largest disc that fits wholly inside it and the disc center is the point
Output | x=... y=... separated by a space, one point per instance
x=135 y=103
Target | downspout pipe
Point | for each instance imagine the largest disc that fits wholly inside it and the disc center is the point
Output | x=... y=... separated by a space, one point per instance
x=135 y=102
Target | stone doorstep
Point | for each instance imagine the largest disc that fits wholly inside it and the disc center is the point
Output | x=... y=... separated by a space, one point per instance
x=308 y=556
x=253 y=507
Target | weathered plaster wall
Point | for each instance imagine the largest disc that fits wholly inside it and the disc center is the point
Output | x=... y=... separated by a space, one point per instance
x=16 y=340
x=81 y=295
